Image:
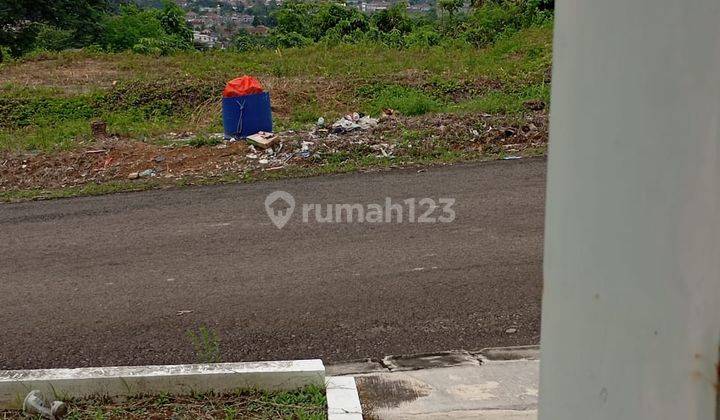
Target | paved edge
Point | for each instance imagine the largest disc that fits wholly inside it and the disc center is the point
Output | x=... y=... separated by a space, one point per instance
x=181 y=379
x=343 y=400
x=509 y=353
x=399 y=363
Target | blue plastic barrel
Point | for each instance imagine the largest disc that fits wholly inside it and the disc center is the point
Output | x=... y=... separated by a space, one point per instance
x=246 y=115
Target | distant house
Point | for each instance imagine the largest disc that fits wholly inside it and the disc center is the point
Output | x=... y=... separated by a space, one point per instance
x=419 y=8
x=374 y=7
x=204 y=39
x=196 y=23
x=258 y=30
x=243 y=20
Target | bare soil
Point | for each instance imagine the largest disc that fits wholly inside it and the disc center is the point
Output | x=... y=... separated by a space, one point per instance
x=174 y=158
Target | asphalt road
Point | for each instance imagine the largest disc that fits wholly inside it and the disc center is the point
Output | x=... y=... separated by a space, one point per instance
x=120 y=279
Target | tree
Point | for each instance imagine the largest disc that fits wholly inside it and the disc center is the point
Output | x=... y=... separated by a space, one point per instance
x=20 y=21
x=172 y=19
x=393 y=18
x=153 y=31
x=451 y=6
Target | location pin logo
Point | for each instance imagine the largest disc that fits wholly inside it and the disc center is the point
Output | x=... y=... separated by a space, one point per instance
x=279 y=206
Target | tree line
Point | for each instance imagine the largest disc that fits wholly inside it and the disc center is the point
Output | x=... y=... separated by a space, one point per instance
x=53 y=25
x=299 y=23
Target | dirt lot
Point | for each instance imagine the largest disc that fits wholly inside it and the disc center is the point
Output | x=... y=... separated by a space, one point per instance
x=188 y=158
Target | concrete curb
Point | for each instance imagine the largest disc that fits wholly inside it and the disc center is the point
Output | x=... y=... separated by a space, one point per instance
x=180 y=379
x=400 y=363
x=430 y=360
x=342 y=398
x=509 y=353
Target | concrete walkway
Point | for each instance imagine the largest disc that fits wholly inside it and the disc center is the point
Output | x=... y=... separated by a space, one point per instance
x=488 y=385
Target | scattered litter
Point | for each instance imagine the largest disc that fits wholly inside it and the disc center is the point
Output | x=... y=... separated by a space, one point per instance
x=321 y=122
x=353 y=122
x=387 y=114
x=184 y=312
x=147 y=173
x=534 y=104
x=511 y=330
x=263 y=139
x=125 y=159
x=35 y=404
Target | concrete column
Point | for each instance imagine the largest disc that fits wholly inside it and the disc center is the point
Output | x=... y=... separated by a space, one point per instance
x=631 y=307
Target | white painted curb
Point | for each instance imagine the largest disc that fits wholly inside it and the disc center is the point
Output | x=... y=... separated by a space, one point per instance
x=177 y=379
x=342 y=398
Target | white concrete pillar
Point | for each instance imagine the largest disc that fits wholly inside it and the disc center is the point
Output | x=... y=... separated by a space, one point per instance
x=631 y=307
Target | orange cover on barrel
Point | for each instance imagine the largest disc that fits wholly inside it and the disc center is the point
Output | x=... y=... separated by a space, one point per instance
x=242 y=86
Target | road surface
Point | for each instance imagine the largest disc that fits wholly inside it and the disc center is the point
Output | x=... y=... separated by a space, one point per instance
x=120 y=279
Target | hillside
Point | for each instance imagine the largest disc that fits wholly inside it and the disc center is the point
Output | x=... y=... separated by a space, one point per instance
x=162 y=113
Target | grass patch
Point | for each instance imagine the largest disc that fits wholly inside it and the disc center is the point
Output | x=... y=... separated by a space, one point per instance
x=408 y=101
x=498 y=102
x=47 y=102
x=309 y=403
x=85 y=190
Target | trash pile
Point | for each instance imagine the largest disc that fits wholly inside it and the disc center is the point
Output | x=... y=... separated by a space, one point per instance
x=194 y=157
x=270 y=151
x=353 y=122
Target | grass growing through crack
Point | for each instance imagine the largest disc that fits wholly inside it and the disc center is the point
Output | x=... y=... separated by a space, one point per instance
x=206 y=343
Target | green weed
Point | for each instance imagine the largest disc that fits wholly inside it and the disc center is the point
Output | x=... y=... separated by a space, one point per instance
x=406 y=100
x=206 y=343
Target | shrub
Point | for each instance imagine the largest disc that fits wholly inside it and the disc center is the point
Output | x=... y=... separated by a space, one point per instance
x=394 y=18
x=162 y=45
x=289 y=40
x=493 y=19
x=124 y=31
x=147 y=31
x=423 y=37
x=50 y=38
x=243 y=41
x=405 y=100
